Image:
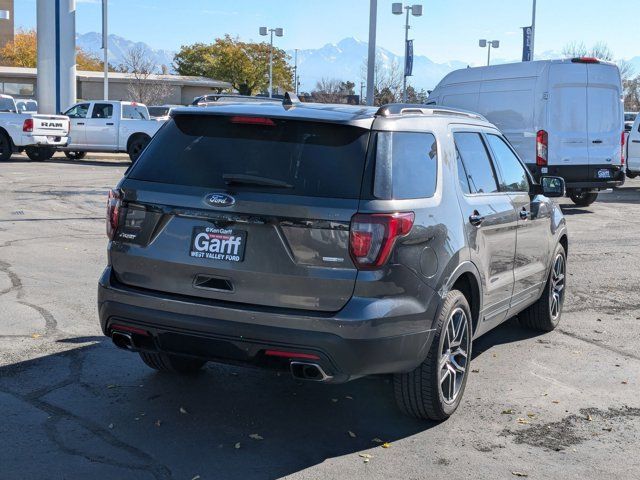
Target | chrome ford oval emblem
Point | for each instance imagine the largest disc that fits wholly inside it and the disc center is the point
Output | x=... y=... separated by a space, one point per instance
x=219 y=200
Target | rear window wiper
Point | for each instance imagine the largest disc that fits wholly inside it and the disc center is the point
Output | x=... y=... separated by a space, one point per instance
x=240 y=178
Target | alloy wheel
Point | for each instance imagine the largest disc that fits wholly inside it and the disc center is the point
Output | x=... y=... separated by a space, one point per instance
x=454 y=356
x=556 y=290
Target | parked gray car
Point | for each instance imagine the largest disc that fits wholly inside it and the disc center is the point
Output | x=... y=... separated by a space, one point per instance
x=331 y=241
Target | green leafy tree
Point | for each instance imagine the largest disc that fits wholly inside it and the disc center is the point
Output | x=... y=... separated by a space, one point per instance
x=245 y=65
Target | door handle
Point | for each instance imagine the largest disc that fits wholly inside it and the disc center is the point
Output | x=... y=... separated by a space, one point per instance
x=597 y=141
x=476 y=219
x=110 y=123
x=524 y=213
x=80 y=123
x=635 y=141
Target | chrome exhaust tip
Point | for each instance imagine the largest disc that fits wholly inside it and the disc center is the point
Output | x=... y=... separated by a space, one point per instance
x=309 y=371
x=122 y=340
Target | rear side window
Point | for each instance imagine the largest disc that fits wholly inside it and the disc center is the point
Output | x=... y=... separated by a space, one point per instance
x=135 y=112
x=102 y=110
x=281 y=156
x=476 y=161
x=514 y=177
x=406 y=165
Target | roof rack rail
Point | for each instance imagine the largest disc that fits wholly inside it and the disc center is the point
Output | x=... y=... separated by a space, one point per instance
x=418 y=109
x=290 y=100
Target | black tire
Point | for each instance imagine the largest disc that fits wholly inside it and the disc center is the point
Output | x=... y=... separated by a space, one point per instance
x=631 y=175
x=137 y=145
x=583 y=199
x=165 y=362
x=39 y=154
x=75 y=155
x=540 y=316
x=6 y=148
x=419 y=393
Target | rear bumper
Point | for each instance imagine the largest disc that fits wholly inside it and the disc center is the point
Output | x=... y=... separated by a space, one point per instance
x=583 y=176
x=346 y=348
x=43 y=140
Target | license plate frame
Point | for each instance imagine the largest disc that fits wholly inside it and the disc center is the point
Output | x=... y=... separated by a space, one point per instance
x=218 y=244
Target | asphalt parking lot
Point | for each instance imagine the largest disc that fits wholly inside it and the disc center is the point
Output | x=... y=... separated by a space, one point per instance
x=559 y=405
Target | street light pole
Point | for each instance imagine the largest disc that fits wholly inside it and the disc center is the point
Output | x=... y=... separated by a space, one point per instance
x=279 y=33
x=533 y=28
x=489 y=44
x=271 y=67
x=105 y=46
x=371 y=59
x=295 y=73
x=416 y=11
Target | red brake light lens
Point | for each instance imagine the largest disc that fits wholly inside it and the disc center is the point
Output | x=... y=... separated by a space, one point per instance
x=622 y=138
x=244 y=120
x=585 y=60
x=373 y=236
x=114 y=204
x=542 y=148
x=27 y=126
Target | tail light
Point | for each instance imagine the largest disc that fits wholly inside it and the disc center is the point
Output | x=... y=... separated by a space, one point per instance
x=114 y=204
x=622 y=148
x=245 y=120
x=372 y=237
x=542 y=148
x=27 y=126
x=585 y=60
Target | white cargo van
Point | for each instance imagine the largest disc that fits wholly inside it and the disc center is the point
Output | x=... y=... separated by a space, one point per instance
x=563 y=117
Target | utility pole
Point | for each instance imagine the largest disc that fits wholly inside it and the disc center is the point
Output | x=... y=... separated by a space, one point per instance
x=371 y=59
x=105 y=46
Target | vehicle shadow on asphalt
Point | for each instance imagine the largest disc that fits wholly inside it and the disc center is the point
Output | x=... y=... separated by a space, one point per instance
x=102 y=412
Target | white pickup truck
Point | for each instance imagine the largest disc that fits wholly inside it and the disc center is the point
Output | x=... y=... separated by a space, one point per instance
x=109 y=126
x=37 y=134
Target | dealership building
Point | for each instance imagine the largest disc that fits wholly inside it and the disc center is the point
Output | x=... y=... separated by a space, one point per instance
x=178 y=89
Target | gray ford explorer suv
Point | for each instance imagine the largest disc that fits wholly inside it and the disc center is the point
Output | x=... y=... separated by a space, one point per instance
x=332 y=241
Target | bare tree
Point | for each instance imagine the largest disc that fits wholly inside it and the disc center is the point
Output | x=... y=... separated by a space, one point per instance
x=599 y=50
x=332 y=90
x=142 y=88
x=387 y=80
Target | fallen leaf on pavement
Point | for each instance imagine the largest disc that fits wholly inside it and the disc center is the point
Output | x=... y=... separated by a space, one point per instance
x=334 y=400
x=255 y=436
x=523 y=421
x=197 y=477
x=111 y=425
x=507 y=411
x=385 y=445
x=475 y=370
x=377 y=440
x=351 y=434
x=589 y=418
x=158 y=423
x=348 y=397
x=555 y=401
x=520 y=474
x=624 y=382
x=607 y=429
x=183 y=410
x=36 y=335
x=531 y=415
x=237 y=445
x=365 y=455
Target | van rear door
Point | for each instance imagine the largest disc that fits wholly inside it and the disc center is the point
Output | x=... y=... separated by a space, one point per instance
x=605 y=120
x=567 y=121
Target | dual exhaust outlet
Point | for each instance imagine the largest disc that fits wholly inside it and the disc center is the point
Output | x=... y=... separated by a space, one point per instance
x=300 y=370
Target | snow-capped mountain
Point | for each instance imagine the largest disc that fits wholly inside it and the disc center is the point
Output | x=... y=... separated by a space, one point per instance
x=345 y=61
x=118 y=48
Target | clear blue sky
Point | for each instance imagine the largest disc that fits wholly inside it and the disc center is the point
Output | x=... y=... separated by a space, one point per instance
x=449 y=29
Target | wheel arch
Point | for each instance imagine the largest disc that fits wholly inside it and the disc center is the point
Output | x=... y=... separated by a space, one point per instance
x=466 y=278
x=136 y=135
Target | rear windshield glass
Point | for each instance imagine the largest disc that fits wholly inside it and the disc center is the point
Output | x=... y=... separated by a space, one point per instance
x=158 y=111
x=289 y=157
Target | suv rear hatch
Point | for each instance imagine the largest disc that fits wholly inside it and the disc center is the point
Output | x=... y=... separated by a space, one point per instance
x=244 y=209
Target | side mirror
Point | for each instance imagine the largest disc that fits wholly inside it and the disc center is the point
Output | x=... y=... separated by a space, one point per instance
x=553 y=187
